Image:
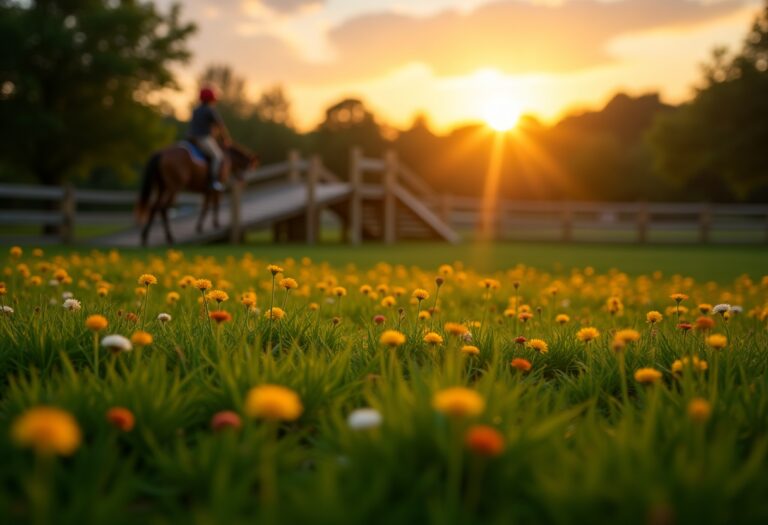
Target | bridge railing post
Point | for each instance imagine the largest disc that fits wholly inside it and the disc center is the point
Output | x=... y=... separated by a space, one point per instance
x=68 y=210
x=390 y=202
x=355 y=198
x=294 y=166
x=312 y=211
x=235 y=199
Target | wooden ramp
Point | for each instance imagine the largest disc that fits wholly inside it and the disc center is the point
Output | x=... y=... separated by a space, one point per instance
x=261 y=207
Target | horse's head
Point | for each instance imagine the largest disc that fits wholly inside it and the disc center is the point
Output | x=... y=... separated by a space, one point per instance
x=241 y=160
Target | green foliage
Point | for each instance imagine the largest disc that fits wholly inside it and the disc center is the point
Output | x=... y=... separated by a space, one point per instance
x=77 y=83
x=714 y=145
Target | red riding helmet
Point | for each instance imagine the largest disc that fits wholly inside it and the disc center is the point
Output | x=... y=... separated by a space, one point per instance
x=207 y=95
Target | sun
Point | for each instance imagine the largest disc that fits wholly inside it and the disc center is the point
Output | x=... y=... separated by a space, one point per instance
x=501 y=114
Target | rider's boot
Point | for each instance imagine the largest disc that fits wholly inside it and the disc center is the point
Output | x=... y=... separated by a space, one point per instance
x=214 y=178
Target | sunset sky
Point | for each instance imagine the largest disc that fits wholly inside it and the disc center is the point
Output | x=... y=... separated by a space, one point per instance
x=448 y=58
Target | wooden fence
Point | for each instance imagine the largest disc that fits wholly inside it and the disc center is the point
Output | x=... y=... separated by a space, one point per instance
x=568 y=221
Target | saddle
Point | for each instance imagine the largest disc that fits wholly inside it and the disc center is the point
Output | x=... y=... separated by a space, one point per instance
x=194 y=151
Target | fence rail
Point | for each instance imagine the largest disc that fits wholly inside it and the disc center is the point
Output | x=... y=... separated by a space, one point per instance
x=64 y=207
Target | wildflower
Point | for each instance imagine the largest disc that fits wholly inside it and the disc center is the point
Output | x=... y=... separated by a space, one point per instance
x=7 y=310
x=704 y=323
x=274 y=269
x=721 y=308
x=484 y=441
x=288 y=283
x=699 y=410
x=705 y=308
x=490 y=284
x=116 y=343
x=523 y=365
x=614 y=305
x=366 y=289
x=147 y=279
x=539 y=345
x=339 y=291
x=470 y=350
x=102 y=291
x=172 y=297
x=225 y=419
x=736 y=309
x=697 y=364
x=141 y=338
x=587 y=334
x=379 y=319
x=96 y=323
x=653 y=317
x=647 y=375
x=121 y=418
x=220 y=316
x=364 y=419
x=47 y=430
x=163 y=317
x=562 y=319
x=314 y=307
x=274 y=403
x=446 y=270
x=73 y=305
x=15 y=251
x=217 y=295
x=458 y=402
x=510 y=312
x=456 y=329
x=684 y=326
x=275 y=313
x=392 y=338
x=202 y=284
x=520 y=340
x=433 y=338
x=424 y=315
x=678 y=297
x=388 y=302
x=420 y=294
x=717 y=341
x=627 y=335
x=524 y=316
x=187 y=280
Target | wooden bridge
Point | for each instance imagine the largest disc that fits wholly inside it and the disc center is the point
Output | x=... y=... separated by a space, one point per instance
x=288 y=197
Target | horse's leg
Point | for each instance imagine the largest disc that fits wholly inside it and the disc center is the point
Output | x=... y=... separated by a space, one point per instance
x=216 y=211
x=148 y=225
x=166 y=225
x=203 y=212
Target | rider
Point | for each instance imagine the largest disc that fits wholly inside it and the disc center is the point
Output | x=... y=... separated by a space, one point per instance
x=205 y=121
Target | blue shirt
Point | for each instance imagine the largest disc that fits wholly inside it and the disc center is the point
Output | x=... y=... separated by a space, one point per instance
x=204 y=117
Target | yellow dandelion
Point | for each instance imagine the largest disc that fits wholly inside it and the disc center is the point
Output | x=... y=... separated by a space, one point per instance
x=717 y=341
x=433 y=338
x=275 y=313
x=653 y=317
x=273 y=403
x=458 y=402
x=587 y=334
x=96 y=323
x=539 y=345
x=392 y=338
x=47 y=430
x=647 y=375
x=470 y=350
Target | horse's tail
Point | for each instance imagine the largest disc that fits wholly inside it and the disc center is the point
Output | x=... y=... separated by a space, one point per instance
x=151 y=172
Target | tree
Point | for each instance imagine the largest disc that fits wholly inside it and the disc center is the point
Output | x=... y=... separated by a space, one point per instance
x=274 y=106
x=715 y=144
x=76 y=80
x=347 y=124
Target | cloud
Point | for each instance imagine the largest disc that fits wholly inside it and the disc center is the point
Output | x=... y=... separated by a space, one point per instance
x=288 y=6
x=513 y=36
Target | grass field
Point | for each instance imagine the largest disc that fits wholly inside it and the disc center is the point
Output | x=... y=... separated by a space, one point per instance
x=425 y=383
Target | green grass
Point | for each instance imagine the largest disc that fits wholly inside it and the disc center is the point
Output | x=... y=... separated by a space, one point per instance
x=583 y=440
x=704 y=263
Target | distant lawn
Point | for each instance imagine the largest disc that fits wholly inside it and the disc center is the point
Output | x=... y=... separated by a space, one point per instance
x=717 y=263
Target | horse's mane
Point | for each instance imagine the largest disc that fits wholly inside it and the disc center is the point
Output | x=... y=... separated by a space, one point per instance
x=244 y=153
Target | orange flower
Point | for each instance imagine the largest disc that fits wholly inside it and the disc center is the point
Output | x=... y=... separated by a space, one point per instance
x=220 y=316
x=121 y=418
x=484 y=441
x=521 y=364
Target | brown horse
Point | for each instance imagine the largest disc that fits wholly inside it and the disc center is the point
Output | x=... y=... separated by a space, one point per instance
x=172 y=170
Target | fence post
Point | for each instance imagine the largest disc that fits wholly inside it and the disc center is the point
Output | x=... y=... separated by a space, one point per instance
x=68 y=210
x=312 y=215
x=294 y=166
x=705 y=223
x=390 y=202
x=355 y=198
x=642 y=223
x=566 y=216
x=235 y=230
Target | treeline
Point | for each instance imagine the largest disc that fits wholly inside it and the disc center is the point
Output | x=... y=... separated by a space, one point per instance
x=78 y=99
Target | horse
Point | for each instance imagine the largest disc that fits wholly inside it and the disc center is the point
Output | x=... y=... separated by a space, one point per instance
x=174 y=169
